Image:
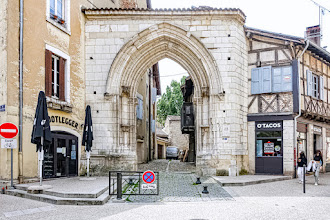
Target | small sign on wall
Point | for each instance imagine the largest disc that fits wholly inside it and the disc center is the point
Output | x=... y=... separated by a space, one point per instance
x=2 y=108
x=9 y=143
x=226 y=130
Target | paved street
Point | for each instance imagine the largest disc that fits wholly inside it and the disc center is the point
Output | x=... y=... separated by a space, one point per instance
x=275 y=200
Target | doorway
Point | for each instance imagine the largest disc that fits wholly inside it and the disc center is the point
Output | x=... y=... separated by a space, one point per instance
x=60 y=158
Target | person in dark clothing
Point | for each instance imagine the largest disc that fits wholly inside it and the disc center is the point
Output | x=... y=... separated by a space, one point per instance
x=302 y=160
x=318 y=165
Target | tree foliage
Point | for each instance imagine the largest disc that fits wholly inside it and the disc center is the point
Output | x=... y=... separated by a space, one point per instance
x=171 y=101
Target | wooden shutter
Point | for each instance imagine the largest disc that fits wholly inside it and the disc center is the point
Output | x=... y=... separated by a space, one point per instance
x=309 y=83
x=286 y=79
x=48 y=73
x=62 y=80
x=255 y=81
x=277 y=79
x=266 y=79
x=321 y=88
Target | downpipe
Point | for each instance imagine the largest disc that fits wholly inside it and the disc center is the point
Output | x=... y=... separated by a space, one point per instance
x=299 y=113
x=20 y=134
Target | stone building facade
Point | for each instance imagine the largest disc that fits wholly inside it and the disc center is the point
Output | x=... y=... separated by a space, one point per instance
x=209 y=43
x=173 y=129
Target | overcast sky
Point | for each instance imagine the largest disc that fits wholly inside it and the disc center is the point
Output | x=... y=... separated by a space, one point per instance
x=282 y=16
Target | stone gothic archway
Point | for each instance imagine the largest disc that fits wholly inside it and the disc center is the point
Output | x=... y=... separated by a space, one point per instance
x=147 y=48
x=210 y=44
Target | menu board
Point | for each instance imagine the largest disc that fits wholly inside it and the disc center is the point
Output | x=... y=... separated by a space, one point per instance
x=48 y=165
x=269 y=148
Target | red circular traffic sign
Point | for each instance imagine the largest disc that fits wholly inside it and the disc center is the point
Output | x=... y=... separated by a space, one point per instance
x=8 y=130
x=148 y=176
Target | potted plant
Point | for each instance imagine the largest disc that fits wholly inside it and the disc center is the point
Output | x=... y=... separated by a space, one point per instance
x=62 y=21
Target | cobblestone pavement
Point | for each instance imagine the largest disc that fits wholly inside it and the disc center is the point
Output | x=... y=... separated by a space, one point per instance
x=177 y=184
x=168 y=165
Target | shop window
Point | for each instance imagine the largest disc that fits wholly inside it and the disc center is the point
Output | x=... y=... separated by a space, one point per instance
x=315 y=85
x=269 y=144
x=55 y=76
x=271 y=79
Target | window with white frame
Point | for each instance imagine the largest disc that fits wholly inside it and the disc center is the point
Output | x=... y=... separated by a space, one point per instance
x=57 y=74
x=58 y=11
x=315 y=85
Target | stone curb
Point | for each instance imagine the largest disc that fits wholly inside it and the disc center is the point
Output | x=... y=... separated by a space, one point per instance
x=253 y=182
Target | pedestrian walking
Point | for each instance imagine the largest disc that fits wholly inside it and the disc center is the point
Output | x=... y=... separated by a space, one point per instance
x=318 y=162
x=302 y=160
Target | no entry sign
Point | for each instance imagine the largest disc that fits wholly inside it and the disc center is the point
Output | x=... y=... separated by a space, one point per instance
x=148 y=177
x=8 y=130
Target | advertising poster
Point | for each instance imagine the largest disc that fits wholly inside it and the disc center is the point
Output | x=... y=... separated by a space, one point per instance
x=269 y=148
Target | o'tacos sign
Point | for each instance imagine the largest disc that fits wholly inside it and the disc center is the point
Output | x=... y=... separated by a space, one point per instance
x=273 y=125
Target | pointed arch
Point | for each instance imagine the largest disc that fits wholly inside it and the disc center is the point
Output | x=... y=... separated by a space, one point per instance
x=160 y=41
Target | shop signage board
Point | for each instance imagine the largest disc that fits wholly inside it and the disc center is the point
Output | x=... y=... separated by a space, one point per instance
x=317 y=130
x=273 y=125
x=8 y=130
x=9 y=143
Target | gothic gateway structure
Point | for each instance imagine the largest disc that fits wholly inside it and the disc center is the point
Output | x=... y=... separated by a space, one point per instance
x=121 y=45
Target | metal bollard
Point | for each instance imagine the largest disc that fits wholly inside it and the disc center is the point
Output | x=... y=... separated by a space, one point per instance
x=304 y=179
x=205 y=191
x=119 y=186
x=198 y=180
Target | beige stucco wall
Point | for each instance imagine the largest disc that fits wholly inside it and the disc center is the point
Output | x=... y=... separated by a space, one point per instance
x=38 y=32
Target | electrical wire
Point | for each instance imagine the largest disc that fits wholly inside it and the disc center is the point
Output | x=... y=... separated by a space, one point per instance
x=178 y=74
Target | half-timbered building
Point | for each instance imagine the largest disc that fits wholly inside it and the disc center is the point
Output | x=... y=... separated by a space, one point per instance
x=288 y=110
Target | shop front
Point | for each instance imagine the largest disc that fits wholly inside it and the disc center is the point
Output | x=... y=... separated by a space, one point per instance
x=269 y=147
x=61 y=157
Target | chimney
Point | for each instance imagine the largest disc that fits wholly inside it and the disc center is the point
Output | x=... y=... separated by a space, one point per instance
x=314 y=34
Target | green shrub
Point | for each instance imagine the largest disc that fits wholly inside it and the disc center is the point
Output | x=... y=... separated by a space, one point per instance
x=243 y=172
x=222 y=172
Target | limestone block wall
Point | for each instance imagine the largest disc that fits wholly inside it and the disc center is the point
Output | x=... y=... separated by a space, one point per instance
x=176 y=138
x=288 y=154
x=221 y=110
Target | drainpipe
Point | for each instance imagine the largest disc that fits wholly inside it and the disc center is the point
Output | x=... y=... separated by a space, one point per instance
x=299 y=104
x=20 y=155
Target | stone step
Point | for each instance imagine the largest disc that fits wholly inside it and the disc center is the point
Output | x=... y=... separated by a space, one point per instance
x=100 y=200
x=327 y=167
x=94 y=194
x=250 y=182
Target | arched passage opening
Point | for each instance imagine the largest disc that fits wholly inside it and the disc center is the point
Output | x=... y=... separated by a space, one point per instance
x=140 y=54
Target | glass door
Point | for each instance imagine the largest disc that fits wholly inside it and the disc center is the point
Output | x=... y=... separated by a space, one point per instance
x=61 y=148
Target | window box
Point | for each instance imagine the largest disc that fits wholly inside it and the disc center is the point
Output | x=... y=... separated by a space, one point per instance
x=56 y=104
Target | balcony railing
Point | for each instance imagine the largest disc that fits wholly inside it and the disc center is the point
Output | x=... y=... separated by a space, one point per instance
x=316 y=108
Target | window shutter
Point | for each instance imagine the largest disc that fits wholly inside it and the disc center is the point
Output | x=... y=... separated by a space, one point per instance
x=321 y=88
x=48 y=73
x=266 y=79
x=154 y=95
x=139 y=109
x=153 y=125
x=286 y=79
x=277 y=80
x=309 y=83
x=255 y=81
x=62 y=80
